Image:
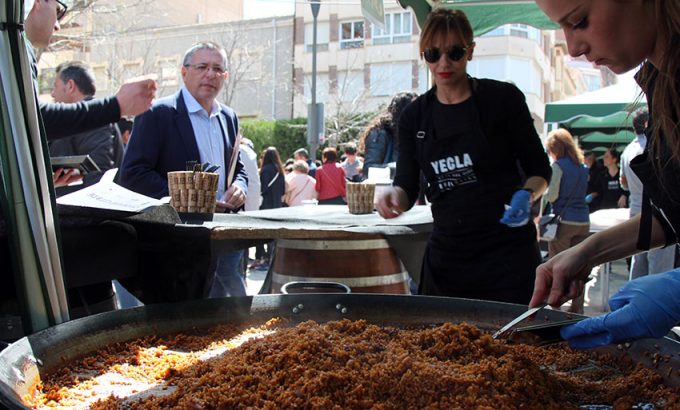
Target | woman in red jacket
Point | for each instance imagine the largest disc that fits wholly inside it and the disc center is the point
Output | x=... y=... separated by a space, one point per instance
x=330 y=180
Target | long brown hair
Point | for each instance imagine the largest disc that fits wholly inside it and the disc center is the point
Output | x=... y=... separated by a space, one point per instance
x=271 y=156
x=666 y=95
x=388 y=119
x=441 y=22
x=562 y=144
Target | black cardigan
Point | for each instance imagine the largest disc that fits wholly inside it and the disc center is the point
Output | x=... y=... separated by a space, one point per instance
x=505 y=120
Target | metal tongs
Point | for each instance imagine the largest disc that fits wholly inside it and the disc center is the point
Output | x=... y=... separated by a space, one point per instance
x=536 y=334
x=505 y=331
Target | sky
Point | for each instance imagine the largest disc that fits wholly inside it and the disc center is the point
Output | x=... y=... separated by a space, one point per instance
x=267 y=8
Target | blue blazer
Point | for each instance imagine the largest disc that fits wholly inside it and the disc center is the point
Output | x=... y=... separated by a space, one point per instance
x=163 y=140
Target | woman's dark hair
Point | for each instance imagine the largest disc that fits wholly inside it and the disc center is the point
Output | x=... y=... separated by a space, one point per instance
x=388 y=119
x=614 y=153
x=329 y=155
x=666 y=92
x=441 y=23
x=271 y=156
x=640 y=118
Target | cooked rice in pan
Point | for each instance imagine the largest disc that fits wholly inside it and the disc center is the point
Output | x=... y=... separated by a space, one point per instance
x=346 y=365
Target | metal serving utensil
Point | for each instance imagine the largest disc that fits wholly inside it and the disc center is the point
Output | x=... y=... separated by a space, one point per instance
x=507 y=329
x=541 y=334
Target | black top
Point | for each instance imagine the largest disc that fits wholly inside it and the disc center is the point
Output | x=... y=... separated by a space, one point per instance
x=661 y=184
x=273 y=186
x=502 y=118
x=62 y=120
x=610 y=189
x=442 y=114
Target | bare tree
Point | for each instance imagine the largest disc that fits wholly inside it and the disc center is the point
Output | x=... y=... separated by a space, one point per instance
x=102 y=31
x=241 y=59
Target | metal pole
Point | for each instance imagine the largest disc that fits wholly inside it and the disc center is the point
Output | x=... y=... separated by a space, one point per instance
x=274 y=64
x=314 y=129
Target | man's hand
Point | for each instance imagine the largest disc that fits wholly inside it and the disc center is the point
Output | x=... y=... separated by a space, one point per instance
x=234 y=198
x=62 y=177
x=135 y=97
x=622 y=202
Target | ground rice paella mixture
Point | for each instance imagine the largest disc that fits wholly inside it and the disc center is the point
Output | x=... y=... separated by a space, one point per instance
x=346 y=365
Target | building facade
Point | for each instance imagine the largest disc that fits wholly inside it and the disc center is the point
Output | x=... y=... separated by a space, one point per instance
x=260 y=52
x=360 y=66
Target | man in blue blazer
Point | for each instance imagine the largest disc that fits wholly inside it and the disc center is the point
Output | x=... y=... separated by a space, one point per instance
x=191 y=126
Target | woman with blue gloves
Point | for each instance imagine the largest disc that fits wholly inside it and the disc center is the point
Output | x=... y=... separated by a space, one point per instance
x=468 y=136
x=623 y=35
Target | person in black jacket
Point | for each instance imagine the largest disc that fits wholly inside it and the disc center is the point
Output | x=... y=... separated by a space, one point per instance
x=62 y=120
x=272 y=187
x=468 y=136
x=379 y=141
x=74 y=81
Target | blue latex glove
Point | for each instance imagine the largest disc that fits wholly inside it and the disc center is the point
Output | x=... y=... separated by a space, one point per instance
x=589 y=198
x=645 y=307
x=518 y=212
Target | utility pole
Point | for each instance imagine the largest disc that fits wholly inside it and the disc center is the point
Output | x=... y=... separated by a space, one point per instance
x=313 y=111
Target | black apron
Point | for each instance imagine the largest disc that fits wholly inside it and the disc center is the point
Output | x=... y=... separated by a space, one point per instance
x=470 y=254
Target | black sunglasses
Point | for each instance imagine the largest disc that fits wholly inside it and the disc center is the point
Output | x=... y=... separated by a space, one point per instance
x=455 y=53
x=61 y=9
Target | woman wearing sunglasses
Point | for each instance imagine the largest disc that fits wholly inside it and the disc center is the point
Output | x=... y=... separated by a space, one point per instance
x=475 y=142
x=623 y=35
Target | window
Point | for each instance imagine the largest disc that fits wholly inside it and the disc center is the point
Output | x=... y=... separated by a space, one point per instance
x=322 y=36
x=593 y=82
x=423 y=78
x=101 y=77
x=390 y=78
x=132 y=69
x=520 y=71
x=517 y=30
x=350 y=85
x=168 y=68
x=352 y=35
x=397 y=29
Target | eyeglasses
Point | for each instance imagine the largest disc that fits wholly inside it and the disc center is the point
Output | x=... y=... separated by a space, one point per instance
x=61 y=9
x=455 y=53
x=203 y=68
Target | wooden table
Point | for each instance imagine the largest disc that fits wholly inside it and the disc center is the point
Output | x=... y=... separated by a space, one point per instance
x=406 y=234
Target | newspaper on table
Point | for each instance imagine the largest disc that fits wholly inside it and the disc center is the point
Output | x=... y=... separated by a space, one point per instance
x=111 y=196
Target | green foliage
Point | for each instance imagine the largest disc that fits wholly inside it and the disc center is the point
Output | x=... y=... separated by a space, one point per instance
x=290 y=135
x=261 y=132
x=285 y=135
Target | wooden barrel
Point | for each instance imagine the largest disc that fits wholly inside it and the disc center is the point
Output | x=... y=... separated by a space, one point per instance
x=365 y=265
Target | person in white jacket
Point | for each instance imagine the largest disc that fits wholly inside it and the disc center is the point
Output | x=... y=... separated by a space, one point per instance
x=249 y=158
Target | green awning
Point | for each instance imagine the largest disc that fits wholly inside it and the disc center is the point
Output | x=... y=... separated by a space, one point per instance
x=486 y=15
x=599 y=142
x=624 y=96
x=610 y=124
x=619 y=138
x=562 y=112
